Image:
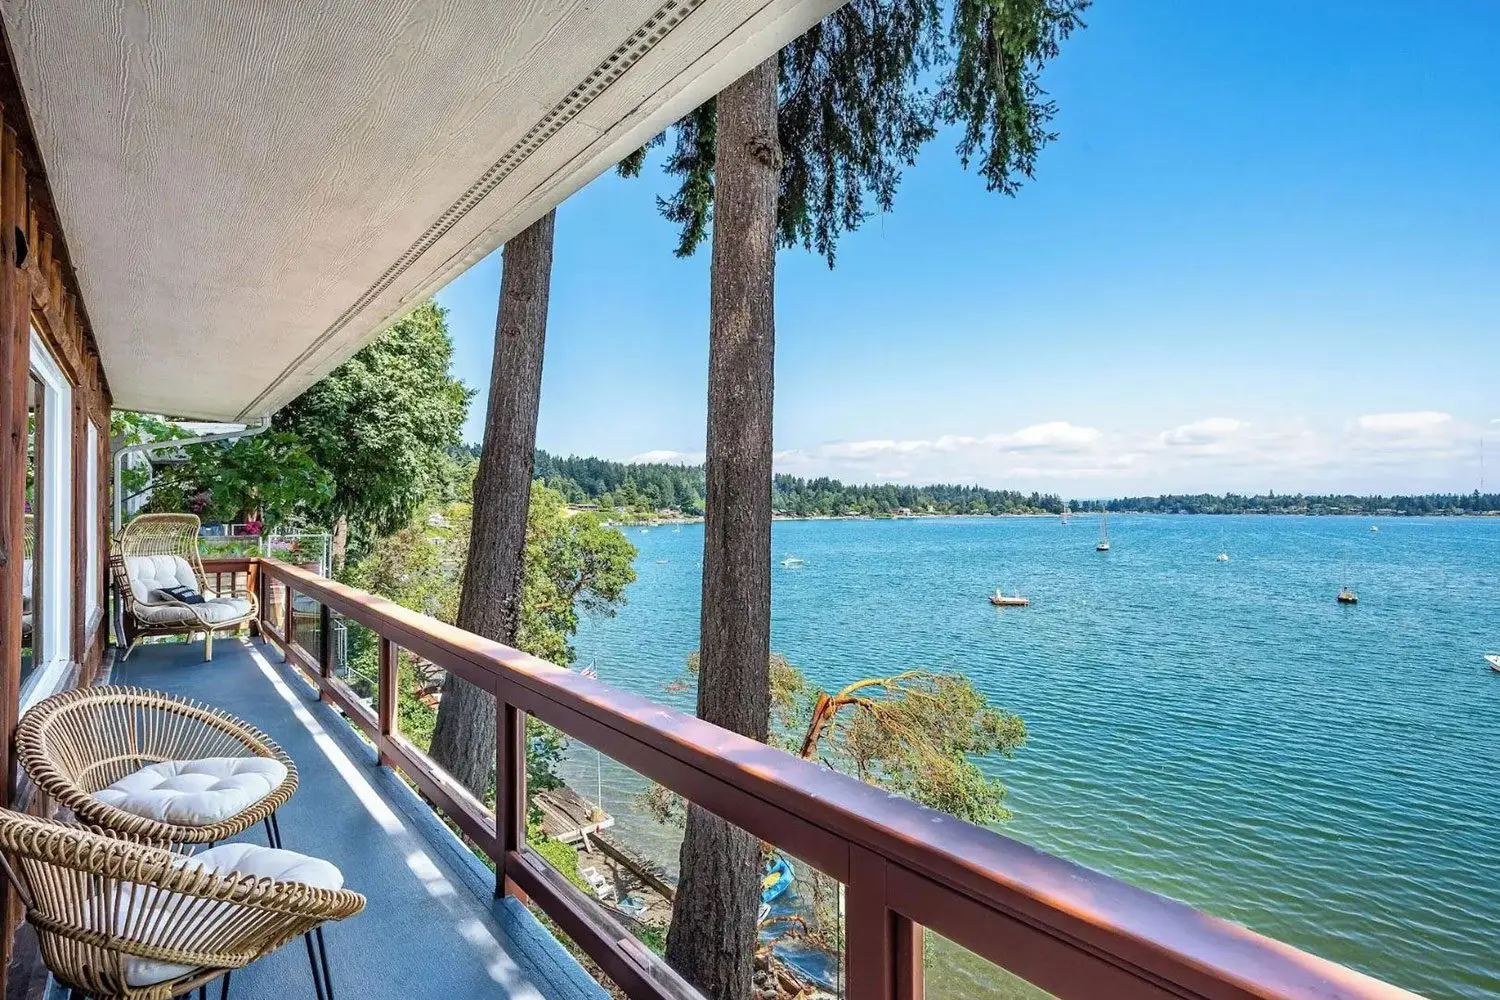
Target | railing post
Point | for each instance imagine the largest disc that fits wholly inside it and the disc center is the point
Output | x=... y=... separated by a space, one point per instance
x=325 y=649
x=253 y=586
x=870 y=945
x=286 y=620
x=910 y=981
x=387 y=688
x=510 y=789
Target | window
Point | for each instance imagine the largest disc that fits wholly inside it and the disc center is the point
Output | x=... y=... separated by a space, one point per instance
x=46 y=646
x=92 y=581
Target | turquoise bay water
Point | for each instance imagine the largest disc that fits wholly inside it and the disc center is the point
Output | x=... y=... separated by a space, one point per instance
x=1222 y=733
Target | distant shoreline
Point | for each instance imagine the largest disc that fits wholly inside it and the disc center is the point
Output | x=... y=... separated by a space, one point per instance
x=663 y=521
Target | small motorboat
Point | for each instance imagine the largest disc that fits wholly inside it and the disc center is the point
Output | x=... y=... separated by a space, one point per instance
x=1374 y=529
x=1001 y=600
x=1493 y=659
x=791 y=562
x=1222 y=557
x=1347 y=596
x=778 y=878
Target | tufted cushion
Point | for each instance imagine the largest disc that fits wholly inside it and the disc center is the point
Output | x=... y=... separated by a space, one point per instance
x=216 y=611
x=235 y=859
x=148 y=574
x=195 y=792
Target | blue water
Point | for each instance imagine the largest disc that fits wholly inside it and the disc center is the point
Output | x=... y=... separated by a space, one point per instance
x=1222 y=733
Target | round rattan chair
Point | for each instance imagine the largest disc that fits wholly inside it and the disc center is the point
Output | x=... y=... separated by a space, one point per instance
x=155 y=551
x=90 y=749
x=120 y=920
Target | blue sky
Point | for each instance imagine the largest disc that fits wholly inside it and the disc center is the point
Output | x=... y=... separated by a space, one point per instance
x=1263 y=253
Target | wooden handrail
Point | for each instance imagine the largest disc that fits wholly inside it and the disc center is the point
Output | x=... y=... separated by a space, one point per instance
x=1070 y=930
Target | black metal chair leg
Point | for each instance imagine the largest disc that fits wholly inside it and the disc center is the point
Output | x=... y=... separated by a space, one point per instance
x=312 y=961
x=224 y=987
x=273 y=831
x=327 y=971
x=276 y=826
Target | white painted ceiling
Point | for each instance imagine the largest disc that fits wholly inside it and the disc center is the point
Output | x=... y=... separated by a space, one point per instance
x=252 y=189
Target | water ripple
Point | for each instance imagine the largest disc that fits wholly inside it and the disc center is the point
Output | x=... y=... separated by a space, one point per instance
x=1222 y=733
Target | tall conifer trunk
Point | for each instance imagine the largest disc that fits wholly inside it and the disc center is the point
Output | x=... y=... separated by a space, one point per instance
x=463 y=742
x=712 y=937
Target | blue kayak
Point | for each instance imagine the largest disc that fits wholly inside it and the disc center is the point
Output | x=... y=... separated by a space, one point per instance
x=778 y=878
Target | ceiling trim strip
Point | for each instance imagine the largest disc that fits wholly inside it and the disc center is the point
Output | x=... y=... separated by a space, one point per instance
x=657 y=27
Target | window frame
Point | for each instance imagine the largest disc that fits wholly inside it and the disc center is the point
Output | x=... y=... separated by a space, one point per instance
x=93 y=578
x=54 y=542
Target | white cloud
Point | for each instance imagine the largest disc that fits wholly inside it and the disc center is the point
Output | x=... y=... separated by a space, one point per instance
x=1414 y=422
x=1053 y=434
x=668 y=457
x=1211 y=431
x=1380 y=452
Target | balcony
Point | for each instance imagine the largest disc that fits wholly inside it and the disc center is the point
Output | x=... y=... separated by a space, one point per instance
x=431 y=901
x=434 y=927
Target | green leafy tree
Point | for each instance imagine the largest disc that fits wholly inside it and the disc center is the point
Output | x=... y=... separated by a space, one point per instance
x=863 y=90
x=381 y=424
x=919 y=733
x=268 y=477
x=573 y=566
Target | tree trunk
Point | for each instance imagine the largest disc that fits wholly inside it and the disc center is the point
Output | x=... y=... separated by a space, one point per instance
x=712 y=937
x=463 y=742
x=340 y=546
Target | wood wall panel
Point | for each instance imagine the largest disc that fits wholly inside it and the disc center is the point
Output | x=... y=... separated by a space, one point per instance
x=40 y=292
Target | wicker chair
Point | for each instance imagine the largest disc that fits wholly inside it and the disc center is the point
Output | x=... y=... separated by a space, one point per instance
x=161 y=550
x=90 y=742
x=119 y=919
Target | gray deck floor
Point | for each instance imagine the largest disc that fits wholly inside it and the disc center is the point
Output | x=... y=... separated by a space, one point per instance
x=431 y=929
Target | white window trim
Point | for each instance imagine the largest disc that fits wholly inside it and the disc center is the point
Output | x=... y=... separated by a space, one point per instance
x=91 y=584
x=55 y=545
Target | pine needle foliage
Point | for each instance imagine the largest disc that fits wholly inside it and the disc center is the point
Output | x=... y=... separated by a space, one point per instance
x=860 y=94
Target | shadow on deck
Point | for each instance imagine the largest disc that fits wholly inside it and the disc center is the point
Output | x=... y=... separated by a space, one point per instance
x=432 y=929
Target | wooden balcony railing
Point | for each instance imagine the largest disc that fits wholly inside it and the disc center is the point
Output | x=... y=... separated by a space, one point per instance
x=1067 y=929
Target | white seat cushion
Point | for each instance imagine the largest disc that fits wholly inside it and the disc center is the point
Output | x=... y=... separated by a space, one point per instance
x=195 y=792
x=237 y=859
x=149 y=574
x=215 y=611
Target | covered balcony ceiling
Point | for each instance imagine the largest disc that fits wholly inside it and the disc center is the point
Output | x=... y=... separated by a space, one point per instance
x=250 y=192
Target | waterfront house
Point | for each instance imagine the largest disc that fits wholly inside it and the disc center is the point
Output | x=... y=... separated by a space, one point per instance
x=204 y=208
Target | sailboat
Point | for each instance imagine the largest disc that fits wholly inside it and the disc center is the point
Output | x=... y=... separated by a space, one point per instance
x=1103 y=545
x=1065 y=514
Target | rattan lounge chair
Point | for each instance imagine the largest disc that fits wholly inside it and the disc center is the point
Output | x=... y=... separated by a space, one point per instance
x=161 y=550
x=123 y=920
x=146 y=764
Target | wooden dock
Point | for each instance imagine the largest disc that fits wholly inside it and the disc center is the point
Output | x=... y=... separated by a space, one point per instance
x=568 y=816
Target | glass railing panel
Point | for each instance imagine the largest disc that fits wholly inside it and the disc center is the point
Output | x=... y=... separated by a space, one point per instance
x=617 y=836
x=953 y=972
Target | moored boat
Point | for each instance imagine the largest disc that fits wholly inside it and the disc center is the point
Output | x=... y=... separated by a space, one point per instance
x=1103 y=545
x=1493 y=659
x=1347 y=596
x=1001 y=600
